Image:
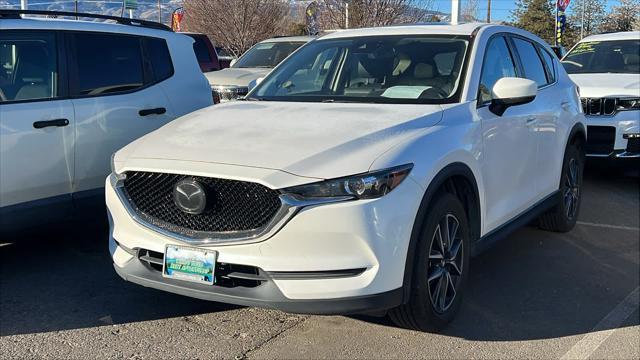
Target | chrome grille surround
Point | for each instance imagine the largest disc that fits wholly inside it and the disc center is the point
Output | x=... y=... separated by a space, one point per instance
x=229 y=93
x=290 y=205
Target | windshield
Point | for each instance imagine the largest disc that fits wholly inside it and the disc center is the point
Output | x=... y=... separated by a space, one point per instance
x=389 y=69
x=620 y=56
x=267 y=54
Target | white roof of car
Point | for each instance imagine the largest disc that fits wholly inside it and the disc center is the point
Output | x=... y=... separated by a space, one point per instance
x=426 y=28
x=623 y=35
x=40 y=23
x=289 y=39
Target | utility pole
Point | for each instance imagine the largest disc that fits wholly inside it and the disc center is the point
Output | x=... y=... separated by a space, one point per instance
x=584 y=2
x=75 y=3
x=488 y=11
x=159 y=11
x=346 y=14
x=455 y=11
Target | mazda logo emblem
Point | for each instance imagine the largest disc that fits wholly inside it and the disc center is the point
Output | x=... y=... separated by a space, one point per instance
x=190 y=197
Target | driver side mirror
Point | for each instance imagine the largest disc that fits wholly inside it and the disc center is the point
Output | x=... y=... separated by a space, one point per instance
x=254 y=83
x=511 y=91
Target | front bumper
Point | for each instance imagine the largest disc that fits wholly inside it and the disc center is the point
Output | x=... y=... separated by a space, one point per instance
x=330 y=259
x=607 y=135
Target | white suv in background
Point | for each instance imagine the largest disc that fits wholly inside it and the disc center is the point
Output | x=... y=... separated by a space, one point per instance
x=233 y=82
x=71 y=94
x=606 y=68
x=361 y=174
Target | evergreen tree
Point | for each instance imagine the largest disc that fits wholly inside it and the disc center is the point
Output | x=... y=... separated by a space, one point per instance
x=535 y=16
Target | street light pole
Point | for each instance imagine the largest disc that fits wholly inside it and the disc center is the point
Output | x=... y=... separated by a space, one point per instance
x=346 y=15
x=159 y=12
x=488 y=11
x=23 y=5
x=455 y=11
x=584 y=2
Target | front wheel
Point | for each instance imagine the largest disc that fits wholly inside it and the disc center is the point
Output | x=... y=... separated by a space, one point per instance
x=563 y=217
x=440 y=271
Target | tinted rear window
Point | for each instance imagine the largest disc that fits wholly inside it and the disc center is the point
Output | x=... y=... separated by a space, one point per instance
x=160 y=59
x=107 y=63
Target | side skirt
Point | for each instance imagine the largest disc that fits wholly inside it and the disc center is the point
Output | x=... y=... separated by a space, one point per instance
x=519 y=221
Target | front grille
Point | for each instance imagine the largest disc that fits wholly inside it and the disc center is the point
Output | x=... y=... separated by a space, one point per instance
x=225 y=275
x=232 y=206
x=600 y=139
x=223 y=94
x=599 y=106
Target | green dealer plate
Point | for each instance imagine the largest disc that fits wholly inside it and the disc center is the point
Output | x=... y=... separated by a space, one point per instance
x=189 y=264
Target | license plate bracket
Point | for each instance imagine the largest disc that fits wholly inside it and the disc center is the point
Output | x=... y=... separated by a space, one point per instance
x=189 y=264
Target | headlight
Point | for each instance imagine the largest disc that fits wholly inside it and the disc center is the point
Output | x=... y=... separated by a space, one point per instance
x=628 y=104
x=364 y=186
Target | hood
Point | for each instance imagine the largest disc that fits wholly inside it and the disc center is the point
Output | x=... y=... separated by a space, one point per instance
x=235 y=76
x=319 y=140
x=603 y=85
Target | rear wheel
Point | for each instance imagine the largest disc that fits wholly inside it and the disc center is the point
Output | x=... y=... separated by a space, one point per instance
x=563 y=217
x=440 y=268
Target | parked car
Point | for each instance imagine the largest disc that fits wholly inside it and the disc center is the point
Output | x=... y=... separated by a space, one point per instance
x=229 y=84
x=360 y=175
x=71 y=94
x=205 y=52
x=606 y=68
x=224 y=57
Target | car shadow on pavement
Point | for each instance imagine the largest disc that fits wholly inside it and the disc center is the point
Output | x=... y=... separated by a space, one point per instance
x=61 y=280
x=537 y=285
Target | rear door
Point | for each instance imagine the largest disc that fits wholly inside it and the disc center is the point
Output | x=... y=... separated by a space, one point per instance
x=36 y=126
x=545 y=111
x=114 y=85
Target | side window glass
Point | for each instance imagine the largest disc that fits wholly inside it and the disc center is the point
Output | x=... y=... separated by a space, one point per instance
x=107 y=63
x=531 y=62
x=497 y=64
x=158 y=52
x=28 y=66
x=551 y=65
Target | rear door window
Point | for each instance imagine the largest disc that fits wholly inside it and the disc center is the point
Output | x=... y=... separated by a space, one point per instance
x=107 y=64
x=201 y=49
x=158 y=53
x=29 y=66
x=531 y=62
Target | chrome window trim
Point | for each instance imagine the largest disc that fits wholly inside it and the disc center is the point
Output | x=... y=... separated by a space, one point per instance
x=290 y=206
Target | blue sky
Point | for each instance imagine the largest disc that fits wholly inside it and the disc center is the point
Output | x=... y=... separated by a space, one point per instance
x=500 y=9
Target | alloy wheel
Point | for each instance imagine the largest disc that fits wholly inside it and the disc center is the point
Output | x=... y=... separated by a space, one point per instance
x=572 y=189
x=445 y=263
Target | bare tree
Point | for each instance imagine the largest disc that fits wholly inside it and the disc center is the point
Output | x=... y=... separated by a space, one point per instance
x=369 y=13
x=469 y=11
x=623 y=17
x=237 y=24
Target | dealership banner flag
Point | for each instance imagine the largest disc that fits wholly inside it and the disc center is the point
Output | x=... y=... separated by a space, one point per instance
x=312 y=18
x=176 y=19
x=561 y=19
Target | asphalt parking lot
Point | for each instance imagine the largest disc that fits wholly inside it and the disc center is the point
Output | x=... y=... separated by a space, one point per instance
x=535 y=295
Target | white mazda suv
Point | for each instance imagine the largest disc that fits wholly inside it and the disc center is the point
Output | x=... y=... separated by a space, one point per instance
x=359 y=176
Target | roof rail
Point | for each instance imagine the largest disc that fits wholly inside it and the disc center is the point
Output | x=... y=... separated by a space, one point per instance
x=16 y=14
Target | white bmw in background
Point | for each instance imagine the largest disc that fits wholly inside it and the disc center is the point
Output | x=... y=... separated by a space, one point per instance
x=606 y=68
x=360 y=175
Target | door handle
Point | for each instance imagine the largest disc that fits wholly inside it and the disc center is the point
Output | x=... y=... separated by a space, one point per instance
x=531 y=120
x=565 y=105
x=154 y=111
x=49 y=123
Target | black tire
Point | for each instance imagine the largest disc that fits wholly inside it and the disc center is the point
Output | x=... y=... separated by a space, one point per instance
x=563 y=216
x=421 y=312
